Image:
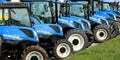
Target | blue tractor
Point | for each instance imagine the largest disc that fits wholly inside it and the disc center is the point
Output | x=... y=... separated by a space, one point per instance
x=102 y=10
x=18 y=41
x=80 y=9
x=105 y=17
x=72 y=31
x=67 y=10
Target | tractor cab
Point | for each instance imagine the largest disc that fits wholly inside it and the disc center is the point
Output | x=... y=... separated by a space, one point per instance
x=109 y=17
x=41 y=10
x=78 y=9
x=14 y=16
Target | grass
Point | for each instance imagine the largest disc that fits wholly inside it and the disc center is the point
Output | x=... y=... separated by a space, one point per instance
x=109 y=50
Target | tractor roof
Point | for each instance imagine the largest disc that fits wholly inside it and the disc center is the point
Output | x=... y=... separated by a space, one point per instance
x=75 y=3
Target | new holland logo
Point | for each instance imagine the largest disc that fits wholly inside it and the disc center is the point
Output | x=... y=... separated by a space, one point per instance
x=12 y=36
x=45 y=32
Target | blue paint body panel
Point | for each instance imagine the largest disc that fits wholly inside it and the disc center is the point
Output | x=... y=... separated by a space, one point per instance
x=46 y=29
x=15 y=33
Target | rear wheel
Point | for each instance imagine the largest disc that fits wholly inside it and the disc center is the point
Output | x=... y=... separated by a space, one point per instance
x=77 y=38
x=62 y=49
x=34 y=52
x=118 y=23
x=114 y=30
x=101 y=33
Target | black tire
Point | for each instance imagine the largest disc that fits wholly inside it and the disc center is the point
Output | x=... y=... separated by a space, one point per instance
x=101 y=33
x=78 y=39
x=114 y=30
x=118 y=23
x=62 y=49
x=35 y=50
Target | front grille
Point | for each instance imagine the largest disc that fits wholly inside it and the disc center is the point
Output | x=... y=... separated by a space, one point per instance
x=77 y=25
x=55 y=28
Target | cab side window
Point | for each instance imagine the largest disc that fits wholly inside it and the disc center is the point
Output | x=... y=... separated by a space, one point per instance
x=1 y=18
x=4 y=16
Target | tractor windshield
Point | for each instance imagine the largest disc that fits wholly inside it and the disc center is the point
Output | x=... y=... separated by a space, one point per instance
x=41 y=10
x=14 y=16
x=97 y=7
x=108 y=6
x=78 y=10
x=118 y=6
x=20 y=17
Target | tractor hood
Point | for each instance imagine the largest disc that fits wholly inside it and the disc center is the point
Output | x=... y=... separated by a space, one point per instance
x=82 y=20
x=105 y=15
x=72 y=23
x=99 y=19
x=47 y=30
x=18 y=34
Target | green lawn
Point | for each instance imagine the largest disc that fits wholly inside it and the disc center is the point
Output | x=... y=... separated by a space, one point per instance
x=109 y=50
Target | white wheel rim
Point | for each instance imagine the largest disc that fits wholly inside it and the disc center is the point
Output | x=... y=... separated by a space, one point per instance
x=102 y=34
x=63 y=50
x=77 y=41
x=34 y=55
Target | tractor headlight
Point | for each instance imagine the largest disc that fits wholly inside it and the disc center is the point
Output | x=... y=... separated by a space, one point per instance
x=77 y=25
x=103 y=22
x=36 y=35
x=86 y=25
x=115 y=17
x=112 y=16
x=56 y=28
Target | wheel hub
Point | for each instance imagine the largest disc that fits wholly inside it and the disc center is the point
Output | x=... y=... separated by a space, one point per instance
x=34 y=58
x=75 y=42
x=62 y=50
x=101 y=34
x=34 y=55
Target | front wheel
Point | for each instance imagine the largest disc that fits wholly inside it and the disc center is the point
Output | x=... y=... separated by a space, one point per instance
x=62 y=49
x=101 y=33
x=77 y=38
x=34 y=52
